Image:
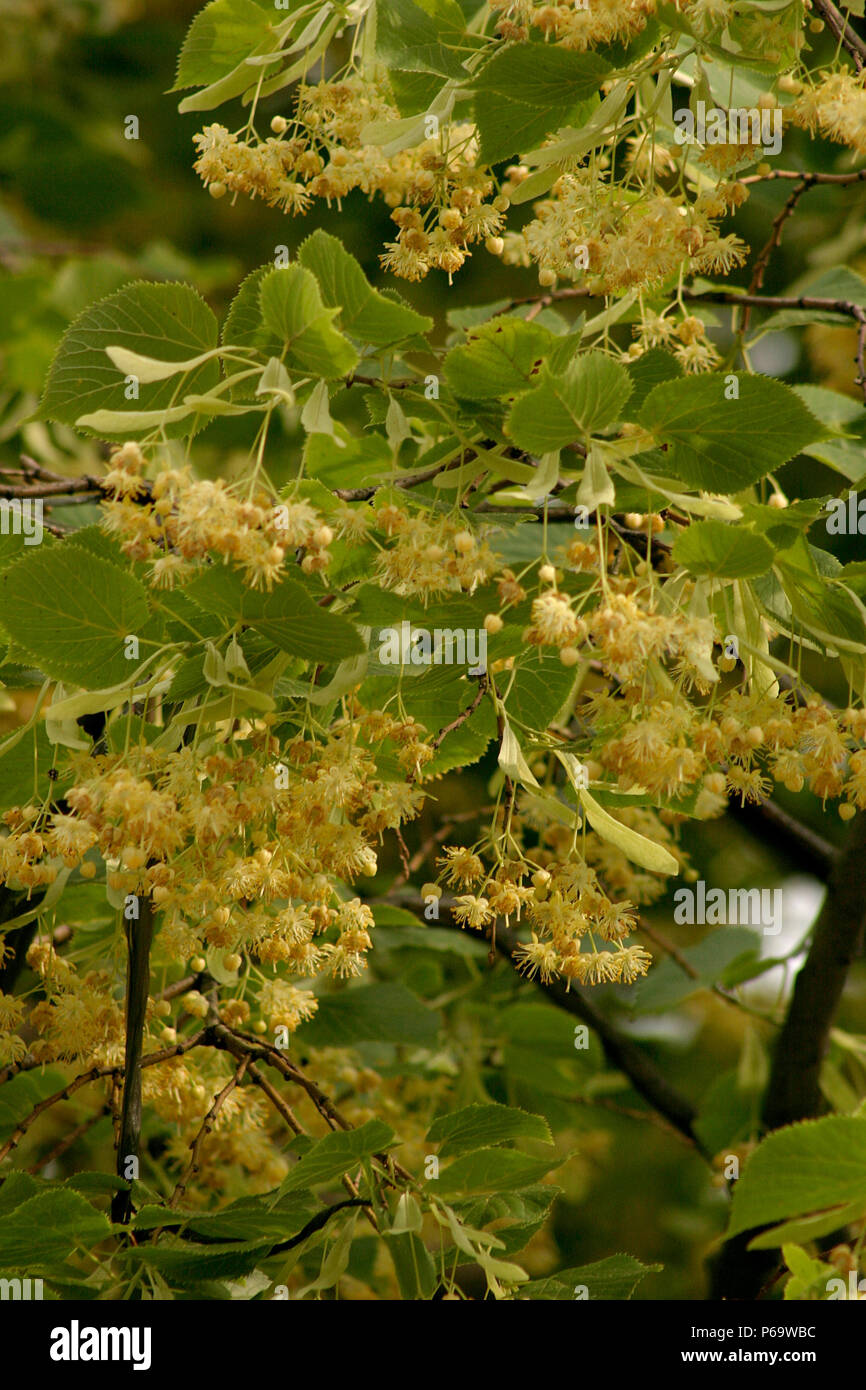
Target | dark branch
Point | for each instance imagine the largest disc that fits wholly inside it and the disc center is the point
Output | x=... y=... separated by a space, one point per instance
x=139 y=935
x=794 y=1091
x=802 y=845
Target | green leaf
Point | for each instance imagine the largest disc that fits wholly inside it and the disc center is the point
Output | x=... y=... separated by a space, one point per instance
x=427 y=36
x=292 y=310
x=426 y=938
x=527 y=91
x=638 y=848
x=170 y=322
x=245 y=327
x=465 y=746
x=479 y=1126
x=667 y=984
x=185 y=1263
x=413 y=1265
x=49 y=1226
x=840 y=414
x=525 y=1211
x=825 y=609
x=540 y=689
x=364 y=313
x=71 y=611
x=24 y=769
x=220 y=37
x=650 y=371
x=18 y=1187
x=287 y=616
x=498 y=358
x=331 y=1157
x=808 y=1275
x=588 y=395
x=801 y=1170
x=372 y=1013
x=248 y=1219
x=494 y=1170
x=616 y=1277
x=362 y=459
x=18 y=1096
x=725 y=1114
x=705 y=433
x=722 y=550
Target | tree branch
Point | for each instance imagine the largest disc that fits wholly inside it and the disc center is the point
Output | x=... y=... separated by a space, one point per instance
x=799 y=843
x=803 y=301
x=794 y=1091
x=139 y=935
x=841 y=29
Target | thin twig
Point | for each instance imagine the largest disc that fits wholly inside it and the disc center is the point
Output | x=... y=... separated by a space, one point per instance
x=207 y=1125
x=463 y=716
x=283 y=1109
x=803 y=301
x=85 y=1078
x=759 y=269
x=71 y=1138
x=842 y=30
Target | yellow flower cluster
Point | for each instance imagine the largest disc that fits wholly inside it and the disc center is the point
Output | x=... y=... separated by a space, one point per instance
x=238 y=854
x=430 y=555
x=672 y=749
x=180 y=521
x=686 y=338
x=625 y=634
x=566 y=906
x=577 y=24
x=836 y=107
x=612 y=233
x=437 y=190
x=596 y=232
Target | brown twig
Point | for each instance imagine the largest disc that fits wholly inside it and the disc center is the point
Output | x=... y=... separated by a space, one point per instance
x=363 y=494
x=842 y=30
x=629 y=1113
x=774 y=240
x=283 y=1109
x=65 y=1093
x=205 y=1129
x=809 y=177
x=180 y=987
x=804 y=301
x=71 y=1138
x=240 y=1045
x=93 y=1074
x=463 y=716
x=669 y=949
